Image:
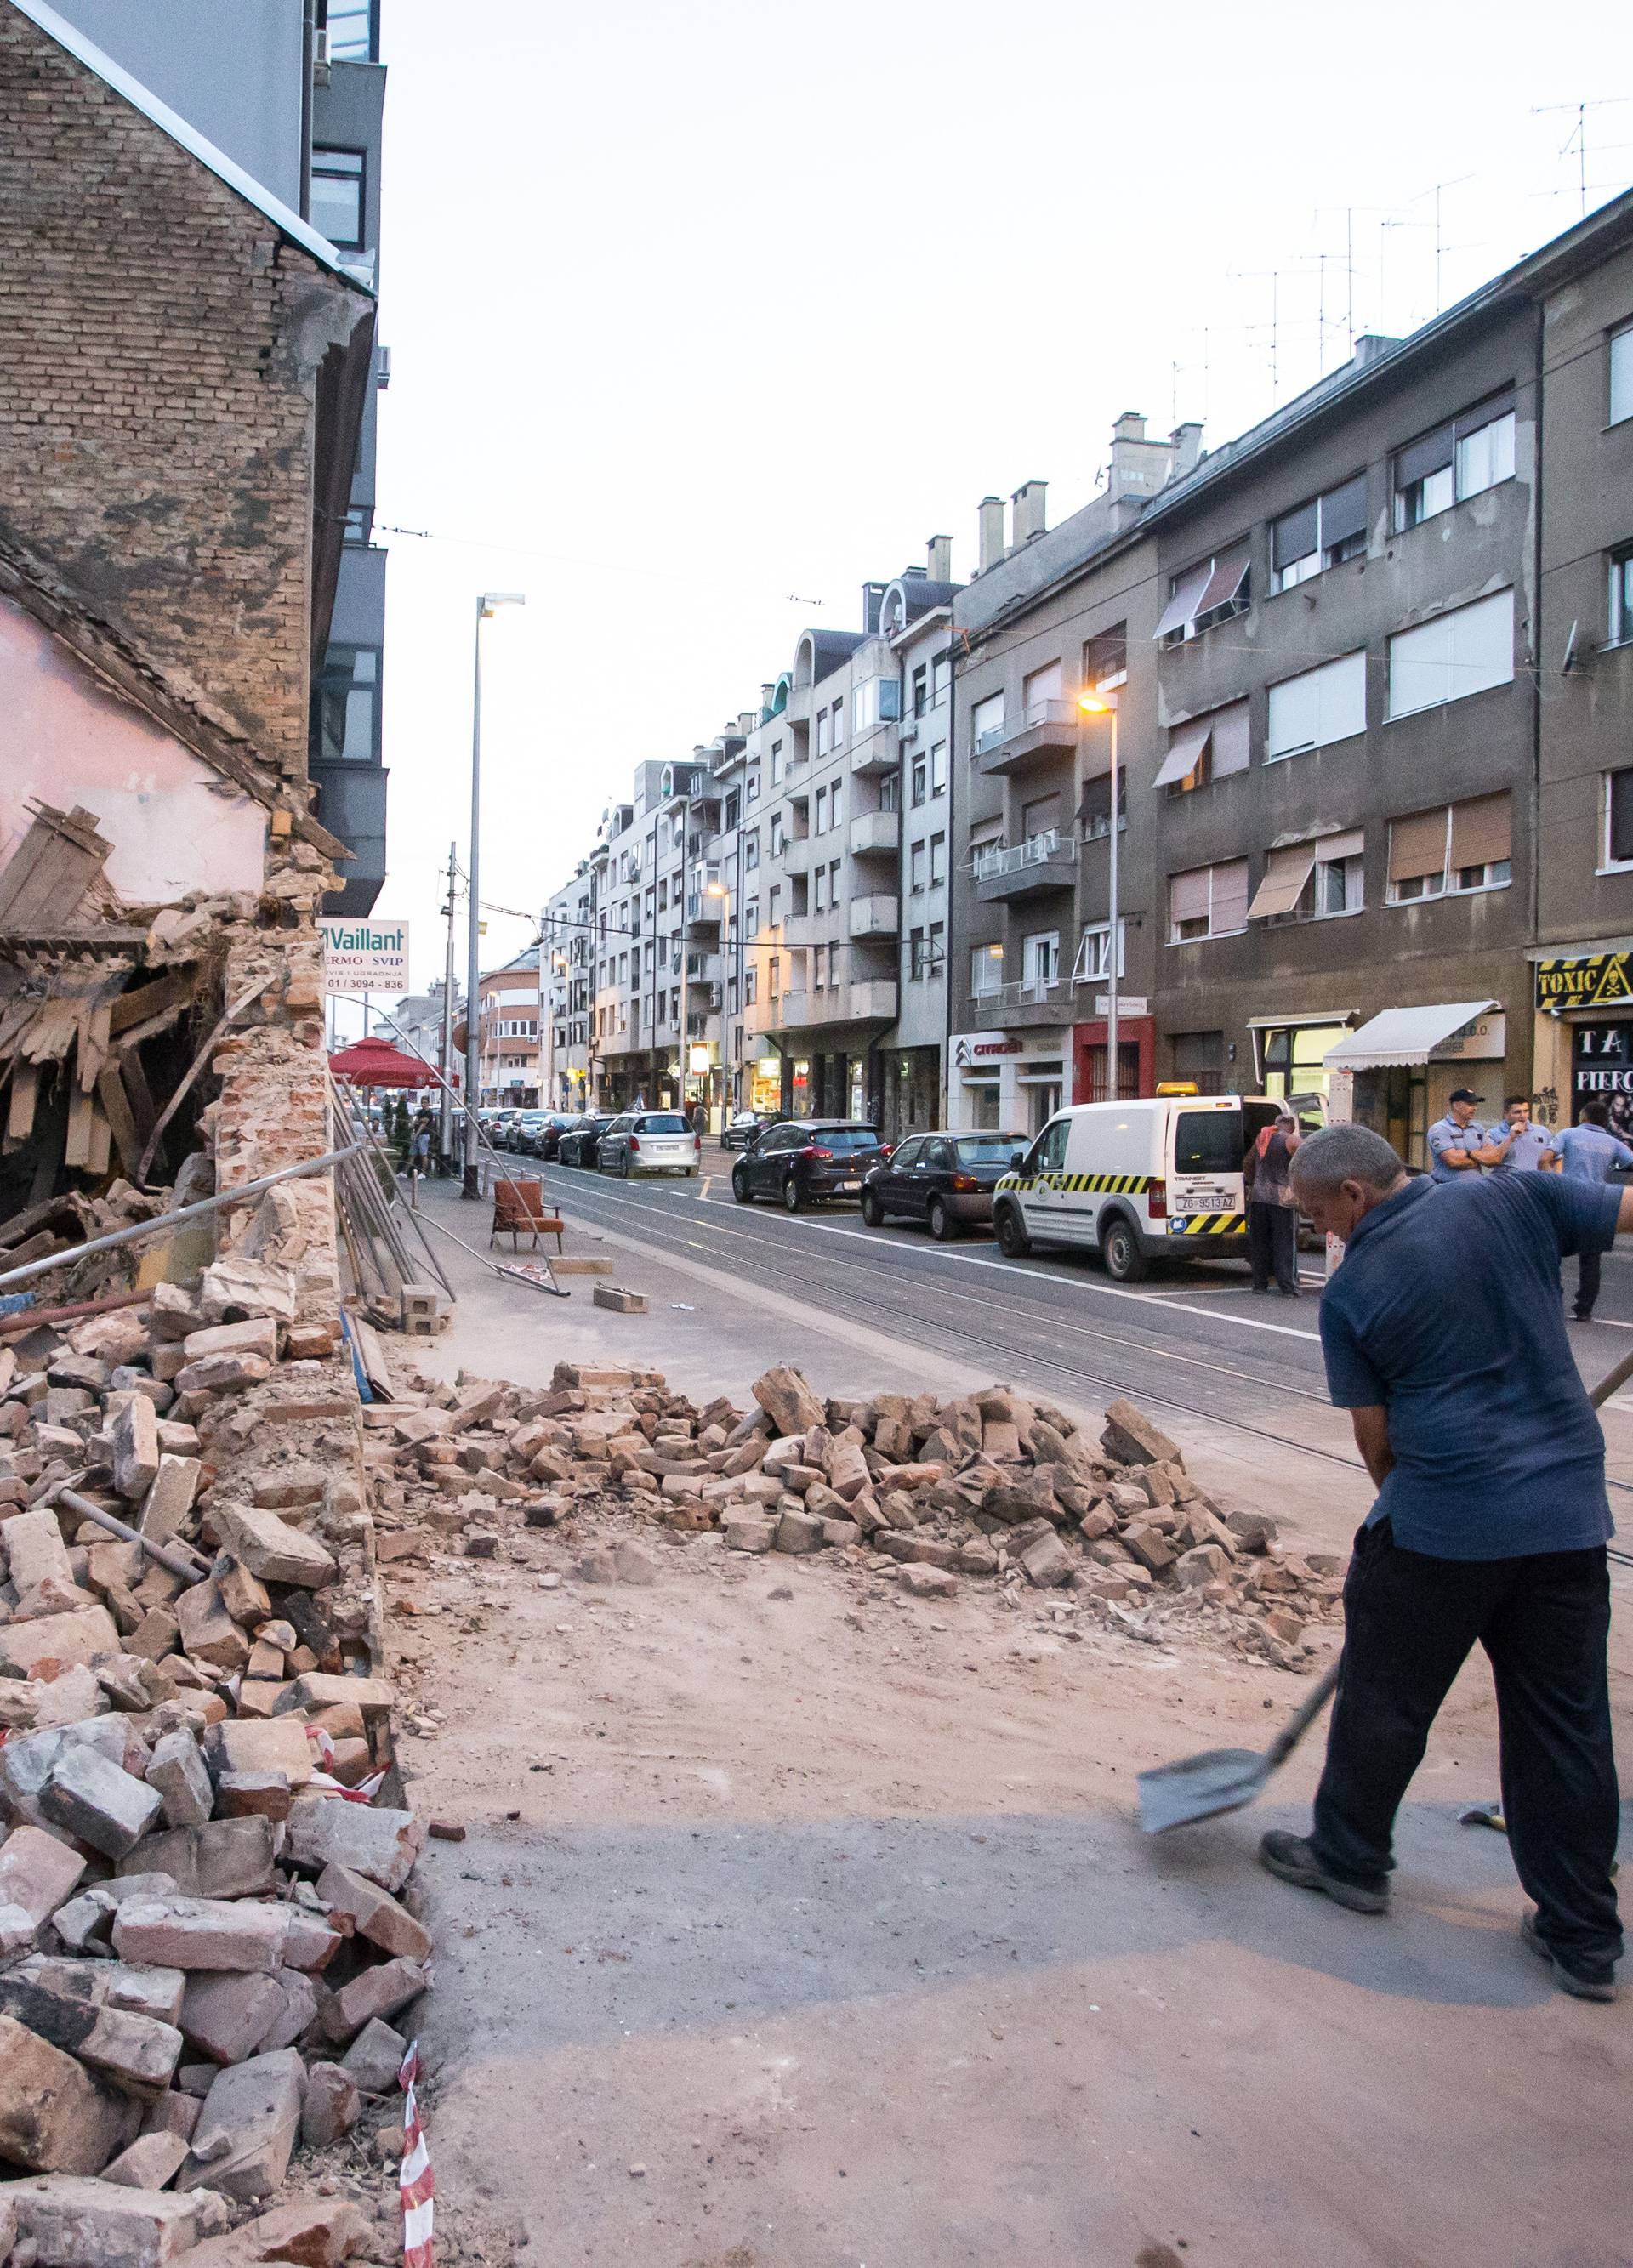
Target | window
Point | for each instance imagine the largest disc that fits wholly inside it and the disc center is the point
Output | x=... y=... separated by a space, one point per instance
x=986 y=971
x=938 y=769
x=889 y=794
x=1042 y=686
x=360 y=524
x=774 y=975
x=1207 y=902
x=751 y=851
x=1040 y=958
x=1105 y=658
x=1317 y=707
x=750 y=986
x=1039 y=816
x=818 y=901
x=986 y=724
x=1207 y=748
x=751 y=917
x=753 y=785
x=1457 y=460
x=1094 y=812
x=1622 y=375
x=816 y=964
x=941 y=678
x=920 y=690
x=1310 y=881
x=345 y=707
x=1618 y=818
x=776 y=762
x=1464 y=847
x=1094 y=953
x=1319 y=534
x=916 y=868
x=864 y=708
x=822 y=811
x=776 y=835
x=825 y=733
x=776 y=904
x=1621 y=618
x=938 y=860
x=921 y=781
x=351 y=25
x=838 y=722
x=833 y=882
x=733 y=811
x=834 y=804
x=1467 y=650
x=915 y=956
x=1211 y=592
x=938 y=948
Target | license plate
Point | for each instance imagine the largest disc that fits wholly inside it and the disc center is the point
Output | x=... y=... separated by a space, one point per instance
x=850 y=1185
x=1205 y=1204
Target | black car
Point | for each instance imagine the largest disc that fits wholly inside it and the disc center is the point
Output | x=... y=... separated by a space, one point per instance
x=744 y=1128
x=543 y=1136
x=946 y=1179
x=800 y=1159
x=581 y=1143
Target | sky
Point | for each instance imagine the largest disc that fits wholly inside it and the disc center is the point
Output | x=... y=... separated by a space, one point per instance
x=703 y=314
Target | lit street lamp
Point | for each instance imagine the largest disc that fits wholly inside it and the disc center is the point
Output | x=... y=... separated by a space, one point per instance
x=487 y=605
x=1100 y=705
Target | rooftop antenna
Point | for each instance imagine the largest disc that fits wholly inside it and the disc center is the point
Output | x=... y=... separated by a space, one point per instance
x=1578 y=133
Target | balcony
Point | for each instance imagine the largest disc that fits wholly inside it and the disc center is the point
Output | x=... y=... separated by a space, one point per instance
x=876 y=750
x=1032 y=1001
x=1048 y=728
x=876 y=834
x=876 y=916
x=704 y=914
x=1042 y=862
x=871 y=1002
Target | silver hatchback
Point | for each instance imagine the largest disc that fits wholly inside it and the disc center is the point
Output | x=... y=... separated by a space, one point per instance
x=650 y=1142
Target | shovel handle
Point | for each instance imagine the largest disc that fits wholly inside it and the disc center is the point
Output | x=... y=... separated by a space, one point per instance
x=1301 y=1719
x=1608 y=1384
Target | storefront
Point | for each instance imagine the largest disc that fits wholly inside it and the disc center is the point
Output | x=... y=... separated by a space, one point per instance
x=913 y=1091
x=1406 y=1062
x=1136 y=1052
x=1584 y=1037
x=1289 y=1052
x=763 y=1082
x=1008 y=1082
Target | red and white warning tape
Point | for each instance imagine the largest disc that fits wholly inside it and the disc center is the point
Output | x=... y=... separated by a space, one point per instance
x=415 y=2181
x=365 y=1792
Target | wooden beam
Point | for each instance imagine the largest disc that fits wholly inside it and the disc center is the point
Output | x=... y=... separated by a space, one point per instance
x=24 y=1092
x=81 y=1122
x=110 y=1093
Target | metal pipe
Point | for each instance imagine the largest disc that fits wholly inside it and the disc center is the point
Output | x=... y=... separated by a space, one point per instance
x=192 y=1569
x=1112 y=1082
x=444 y=1117
x=199 y=1211
x=470 y=1186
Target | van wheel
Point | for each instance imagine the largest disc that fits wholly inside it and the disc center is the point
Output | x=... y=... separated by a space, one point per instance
x=1122 y=1250
x=1013 y=1241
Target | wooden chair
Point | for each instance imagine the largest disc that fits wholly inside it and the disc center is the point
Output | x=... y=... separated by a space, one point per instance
x=519 y=1210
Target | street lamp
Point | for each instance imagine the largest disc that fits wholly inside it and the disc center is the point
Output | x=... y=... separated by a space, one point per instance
x=488 y=604
x=1105 y=704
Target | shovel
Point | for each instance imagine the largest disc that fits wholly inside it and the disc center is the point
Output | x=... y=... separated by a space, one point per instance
x=1223 y=1779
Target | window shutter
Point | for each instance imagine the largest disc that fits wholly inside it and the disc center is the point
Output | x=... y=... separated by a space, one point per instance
x=1229 y=896
x=1431 y=452
x=1293 y=537
x=1229 y=573
x=1480 y=833
x=1620 y=786
x=1417 y=844
x=1231 y=751
x=1343 y=512
x=1285 y=873
x=1184 y=749
x=1331 y=848
x=1187 y=896
x=1182 y=608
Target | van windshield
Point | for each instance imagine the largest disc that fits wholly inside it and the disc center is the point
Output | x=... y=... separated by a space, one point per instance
x=1207 y=1142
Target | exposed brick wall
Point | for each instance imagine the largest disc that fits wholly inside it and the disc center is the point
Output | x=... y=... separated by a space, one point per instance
x=157 y=344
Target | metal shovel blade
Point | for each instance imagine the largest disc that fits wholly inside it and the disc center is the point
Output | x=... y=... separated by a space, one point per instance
x=1197 y=1787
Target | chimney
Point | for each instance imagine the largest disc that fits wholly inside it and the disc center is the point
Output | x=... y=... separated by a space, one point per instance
x=747 y=719
x=991 y=514
x=1029 y=512
x=873 y=599
x=1186 y=441
x=768 y=693
x=1369 y=345
x=938 y=558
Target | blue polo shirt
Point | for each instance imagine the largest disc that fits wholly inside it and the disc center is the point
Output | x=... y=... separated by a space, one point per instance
x=1445 y=1134
x=1447 y=1310
x=1525 y=1152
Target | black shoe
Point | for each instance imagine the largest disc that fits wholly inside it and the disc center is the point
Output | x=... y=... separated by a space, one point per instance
x=1581 y=1315
x=1290 y=1859
x=1585 y=1978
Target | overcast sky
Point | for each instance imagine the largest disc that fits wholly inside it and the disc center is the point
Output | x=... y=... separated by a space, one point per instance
x=703 y=313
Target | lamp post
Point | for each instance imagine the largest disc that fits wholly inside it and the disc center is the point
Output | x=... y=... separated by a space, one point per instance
x=488 y=604
x=719 y=890
x=1099 y=704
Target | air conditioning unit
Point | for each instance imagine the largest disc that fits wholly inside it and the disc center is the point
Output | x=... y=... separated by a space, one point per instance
x=320 y=57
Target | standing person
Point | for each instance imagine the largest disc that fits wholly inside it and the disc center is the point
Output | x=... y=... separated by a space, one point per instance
x=421 y=1150
x=1588 y=1153
x=1456 y=1145
x=1443 y=1338
x=1272 y=1214
x=1518 y=1146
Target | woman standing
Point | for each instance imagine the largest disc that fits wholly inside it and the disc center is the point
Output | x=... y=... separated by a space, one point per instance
x=1272 y=1211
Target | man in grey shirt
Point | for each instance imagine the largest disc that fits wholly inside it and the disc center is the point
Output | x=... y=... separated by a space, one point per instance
x=1456 y=1145
x=1590 y=1153
x=1518 y=1145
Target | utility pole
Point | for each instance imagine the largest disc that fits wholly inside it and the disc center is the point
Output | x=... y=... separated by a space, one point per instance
x=685 y=990
x=444 y=1120
x=487 y=605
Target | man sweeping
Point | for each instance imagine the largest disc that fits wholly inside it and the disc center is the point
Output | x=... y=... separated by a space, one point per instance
x=1445 y=1339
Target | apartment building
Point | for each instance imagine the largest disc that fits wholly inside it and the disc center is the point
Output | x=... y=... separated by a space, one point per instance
x=293 y=91
x=507 y=1034
x=566 y=990
x=911 y=830
x=1350 y=704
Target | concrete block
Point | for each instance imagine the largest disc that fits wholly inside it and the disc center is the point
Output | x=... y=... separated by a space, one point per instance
x=371 y=1839
x=177 y=1772
x=317 y=1690
x=220 y=1374
x=787 y=1400
x=64 y=2002
x=270 y=1547
x=619 y=1299
x=244 y=1595
x=372 y=1913
x=276 y=1744
x=379 y=1993
x=134 y=1429
x=799 y=1532
x=33 y=1546
x=85 y=2223
x=375 y=2058
x=96 y=1802
x=223 y=1859
x=333 y=2106
x=152 y=2161
x=209 y=1633
x=226 y=2015
x=248 y=2127
x=38 y=1872
x=54 y=2118
x=193 y=1934
x=258 y=1335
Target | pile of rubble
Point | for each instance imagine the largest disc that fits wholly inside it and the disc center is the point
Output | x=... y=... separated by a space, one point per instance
x=203 y=1950
x=923 y=1491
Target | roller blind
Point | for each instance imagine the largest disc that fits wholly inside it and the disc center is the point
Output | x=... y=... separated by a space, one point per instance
x=1417 y=844
x=1318 y=706
x=1294 y=537
x=1481 y=831
x=1285 y=873
x=1182 y=608
x=987 y=715
x=1187 y=896
x=1184 y=749
x=1229 y=749
x=1230 y=907
x=1343 y=512
x=1431 y=452
x=1043 y=685
x=1468 y=650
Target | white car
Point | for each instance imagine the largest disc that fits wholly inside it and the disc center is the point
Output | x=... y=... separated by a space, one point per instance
x=650 y=1142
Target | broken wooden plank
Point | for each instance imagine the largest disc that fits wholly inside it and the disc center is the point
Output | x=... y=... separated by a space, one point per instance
x=25 y=1093
x=138 y=1095
x=110 y=1092
x=81 y=1119
x=165 y=997
x=101 y=1139
x=52 y=867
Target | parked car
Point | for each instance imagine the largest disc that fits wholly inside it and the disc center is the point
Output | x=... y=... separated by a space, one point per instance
x=1158 y=1177
x=546 y=1137
x=499 y=1126
x=945 y=1179
x=523 y=1130
x=802 y=1160
x=650 y=1142
x=744 y=1128
x=579 y=1142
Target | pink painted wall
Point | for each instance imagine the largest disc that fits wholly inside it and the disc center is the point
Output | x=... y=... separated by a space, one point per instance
x=175 y=825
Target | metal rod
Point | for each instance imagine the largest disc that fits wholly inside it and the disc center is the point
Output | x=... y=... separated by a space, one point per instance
x=30 y=1319
x=445 y=1115
x=192 y=1569
x=359 y=1124
x=199 y=1211
x=469 y=1184
x=1112 y=1082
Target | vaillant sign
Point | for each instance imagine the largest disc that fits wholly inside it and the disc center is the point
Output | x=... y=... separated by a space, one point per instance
x=364 y=956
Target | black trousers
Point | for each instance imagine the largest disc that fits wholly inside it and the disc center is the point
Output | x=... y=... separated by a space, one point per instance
x=1272 y=1245
x=1410 y=1623
x=1587 y=1281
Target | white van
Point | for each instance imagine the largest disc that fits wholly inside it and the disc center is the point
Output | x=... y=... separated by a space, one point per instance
x=1131 y=1180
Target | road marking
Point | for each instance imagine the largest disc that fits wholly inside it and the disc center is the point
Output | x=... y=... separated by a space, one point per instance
x=702 y=1187
x=1038 y=1276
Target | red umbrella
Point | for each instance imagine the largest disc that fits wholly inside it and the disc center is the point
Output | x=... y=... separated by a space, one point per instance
x=376 y=1063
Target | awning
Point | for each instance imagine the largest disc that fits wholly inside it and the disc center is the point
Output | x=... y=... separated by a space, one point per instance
x=1229 y=573
x=1181 y=608
x=376 y=1063
x=1184 y=752
x=1285 y=873
x=1403 y=1036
